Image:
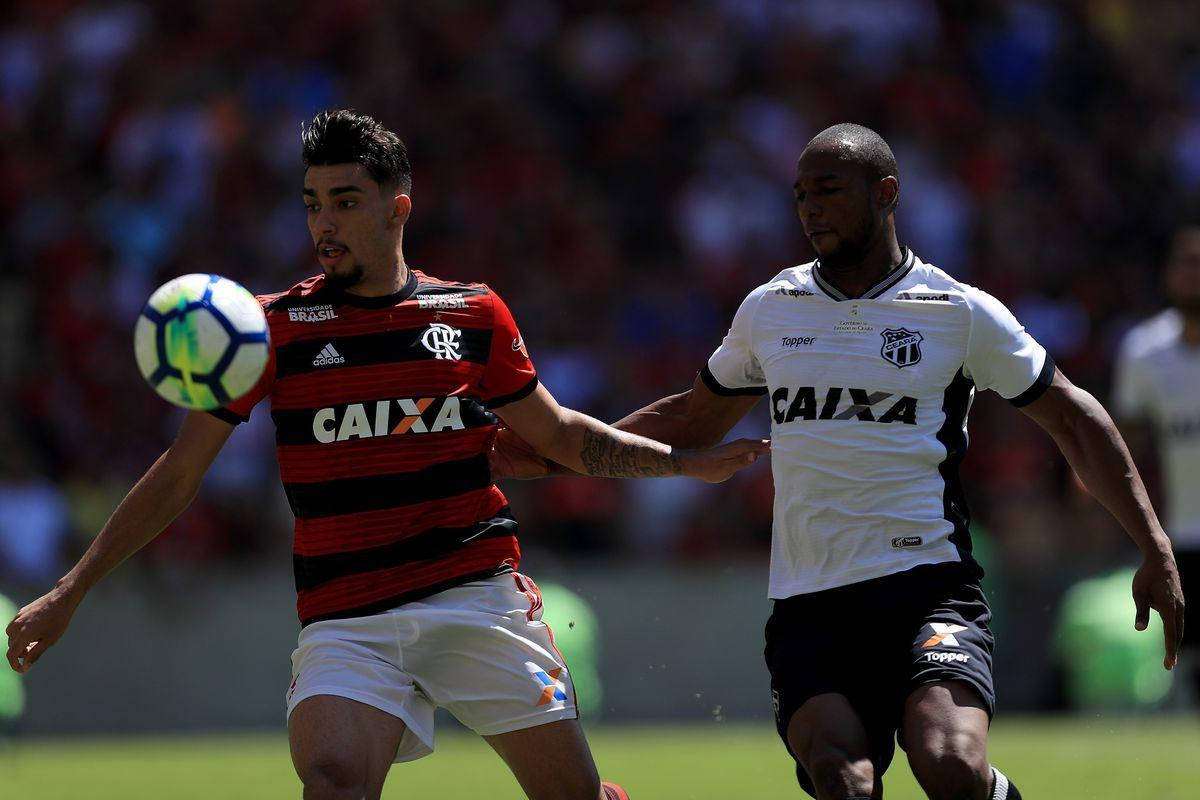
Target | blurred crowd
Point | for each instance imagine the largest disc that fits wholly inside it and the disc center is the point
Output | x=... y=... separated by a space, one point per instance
x=620 y=174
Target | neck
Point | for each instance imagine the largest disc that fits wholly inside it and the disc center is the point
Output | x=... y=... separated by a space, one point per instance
x=854 y=280
x=387 y=282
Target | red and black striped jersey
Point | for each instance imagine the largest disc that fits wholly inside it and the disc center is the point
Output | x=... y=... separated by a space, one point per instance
x=383 y=424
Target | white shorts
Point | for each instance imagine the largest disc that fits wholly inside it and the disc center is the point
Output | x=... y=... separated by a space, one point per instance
x=479 y=650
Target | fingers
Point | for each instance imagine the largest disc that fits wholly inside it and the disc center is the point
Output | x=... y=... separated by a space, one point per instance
x=1171 y=634
x=1142 y=602
x=34 y=653
x=17 y=645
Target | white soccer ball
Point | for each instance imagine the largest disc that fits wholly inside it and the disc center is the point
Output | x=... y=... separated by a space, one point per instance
x=201 y=341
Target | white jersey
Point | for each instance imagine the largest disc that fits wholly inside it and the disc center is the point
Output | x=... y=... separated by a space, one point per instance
x=1158 y=380
x=868 y=403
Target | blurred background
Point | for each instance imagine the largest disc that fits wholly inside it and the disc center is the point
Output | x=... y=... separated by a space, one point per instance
x=621 y=174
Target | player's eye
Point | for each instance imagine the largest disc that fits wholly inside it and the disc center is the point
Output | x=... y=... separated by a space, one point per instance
x=311 y=208
x=347 y=203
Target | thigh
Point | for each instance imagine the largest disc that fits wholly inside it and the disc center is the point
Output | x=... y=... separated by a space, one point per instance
x=838 y=680
x=336 y=741
x=484 y=654
x=551 y=762
x=950 y=640
x=944 y=735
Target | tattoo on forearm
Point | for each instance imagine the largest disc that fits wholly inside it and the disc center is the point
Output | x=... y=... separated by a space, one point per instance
x=605 y=457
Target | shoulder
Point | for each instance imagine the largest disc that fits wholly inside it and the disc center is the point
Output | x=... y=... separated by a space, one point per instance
x=930 y=284
x=440 y=294
x=301 y=294
x=1152 y=335
x=793 y=283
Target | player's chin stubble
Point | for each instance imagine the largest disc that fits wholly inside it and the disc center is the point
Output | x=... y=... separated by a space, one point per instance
x=344 y=280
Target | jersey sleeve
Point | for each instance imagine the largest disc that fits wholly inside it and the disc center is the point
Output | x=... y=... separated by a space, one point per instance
x=1002 y=356
x=732 y=369
x=1132 y=385
x=509 y=375
x=238 y=411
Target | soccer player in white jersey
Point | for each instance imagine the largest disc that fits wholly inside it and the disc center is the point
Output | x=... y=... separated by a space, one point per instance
x=869 y=358
x=1157 y=382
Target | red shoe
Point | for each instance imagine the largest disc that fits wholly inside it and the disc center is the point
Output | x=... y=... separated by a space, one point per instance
x=613 y=792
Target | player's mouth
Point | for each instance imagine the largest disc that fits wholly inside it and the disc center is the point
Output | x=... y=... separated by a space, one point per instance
x=330 y=254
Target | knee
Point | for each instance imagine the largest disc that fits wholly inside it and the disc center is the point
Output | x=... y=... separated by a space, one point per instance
x=334 y=780
x=838 y=775
x=952 y=770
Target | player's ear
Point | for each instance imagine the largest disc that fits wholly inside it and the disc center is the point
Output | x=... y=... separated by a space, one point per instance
x=401 y=208
x=887 y=192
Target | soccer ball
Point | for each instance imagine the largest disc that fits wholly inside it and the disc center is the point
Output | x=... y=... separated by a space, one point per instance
x=201 y=341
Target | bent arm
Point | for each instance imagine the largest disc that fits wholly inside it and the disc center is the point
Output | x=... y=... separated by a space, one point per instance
x=589 y=447
x=1088 y=438
x=163 y=492
x=696 y=418
x=166 y=489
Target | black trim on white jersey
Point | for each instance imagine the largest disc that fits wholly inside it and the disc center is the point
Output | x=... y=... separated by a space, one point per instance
x=956 y=402
x=715 y=386
x=891 y=279
x=1040 y=385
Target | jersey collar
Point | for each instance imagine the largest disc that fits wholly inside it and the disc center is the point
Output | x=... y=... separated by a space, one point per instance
x=888 y=281
x=381 y=301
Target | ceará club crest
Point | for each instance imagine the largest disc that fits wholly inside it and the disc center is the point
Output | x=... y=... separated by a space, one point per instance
x=901 y=346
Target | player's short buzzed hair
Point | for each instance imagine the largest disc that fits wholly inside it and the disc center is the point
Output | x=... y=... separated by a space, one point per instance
x=343 y=136
x=861 y=145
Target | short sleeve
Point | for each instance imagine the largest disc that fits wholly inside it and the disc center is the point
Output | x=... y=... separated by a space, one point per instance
x=509 y=375
x=239 y=410
x=1132 y=385
x=1002 y=356
x=732 y=369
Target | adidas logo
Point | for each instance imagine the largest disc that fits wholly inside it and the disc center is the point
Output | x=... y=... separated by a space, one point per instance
x=328 y=356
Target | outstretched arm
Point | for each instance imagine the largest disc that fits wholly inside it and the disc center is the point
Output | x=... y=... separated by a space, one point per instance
x=589 y=447
x=1087 y=436
x=692 y=419
x=163 y=492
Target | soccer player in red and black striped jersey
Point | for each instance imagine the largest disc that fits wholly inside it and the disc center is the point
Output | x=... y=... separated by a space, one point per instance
x=387 y=387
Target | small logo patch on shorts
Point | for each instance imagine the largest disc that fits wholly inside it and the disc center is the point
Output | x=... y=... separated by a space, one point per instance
x=906 y=541
x=553 y=690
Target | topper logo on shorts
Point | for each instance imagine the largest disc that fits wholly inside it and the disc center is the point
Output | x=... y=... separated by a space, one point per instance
x=416 y=415
x=943 y=634
x=553 y=690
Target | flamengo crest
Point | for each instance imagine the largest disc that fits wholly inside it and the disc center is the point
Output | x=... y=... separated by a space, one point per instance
x=442 y=340
x=901 y=346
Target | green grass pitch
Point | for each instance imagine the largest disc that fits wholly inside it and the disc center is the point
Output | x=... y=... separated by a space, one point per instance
x=1082 y=758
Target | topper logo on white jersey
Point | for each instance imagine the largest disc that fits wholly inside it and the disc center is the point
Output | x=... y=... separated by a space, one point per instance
x=354 y=421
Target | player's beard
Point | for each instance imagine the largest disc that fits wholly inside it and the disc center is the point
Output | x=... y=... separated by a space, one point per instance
x=344 y=280
x=852 y=249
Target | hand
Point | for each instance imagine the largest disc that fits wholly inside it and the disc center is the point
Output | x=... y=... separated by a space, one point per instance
x=37 y=626
x=513 y=457
x=719 y=463
x=1156 y=585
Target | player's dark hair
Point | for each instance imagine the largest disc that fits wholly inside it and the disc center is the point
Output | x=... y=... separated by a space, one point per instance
x=860 y=145
x=343 y=136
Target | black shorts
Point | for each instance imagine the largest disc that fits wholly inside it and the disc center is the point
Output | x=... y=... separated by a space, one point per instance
x=875 y=642
x=1188 y=562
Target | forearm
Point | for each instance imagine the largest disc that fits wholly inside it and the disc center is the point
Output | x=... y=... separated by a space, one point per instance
x=1092 y=445
x=589 y=447
x=154 y=501
x=667 y=420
